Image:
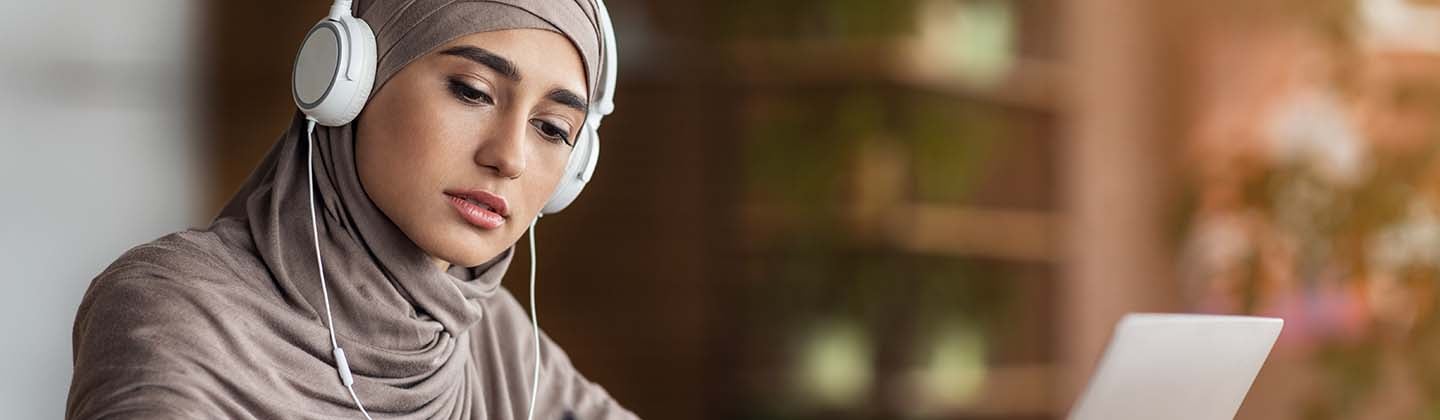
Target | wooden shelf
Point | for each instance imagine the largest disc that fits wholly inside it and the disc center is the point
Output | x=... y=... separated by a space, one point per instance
x=1009 y=234
x=1007 y=390
x=1029 y=83
x=1024 y=390
x=1026 y=235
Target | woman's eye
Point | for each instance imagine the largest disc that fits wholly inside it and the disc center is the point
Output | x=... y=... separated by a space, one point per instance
x=551 y=132
x=469 y=94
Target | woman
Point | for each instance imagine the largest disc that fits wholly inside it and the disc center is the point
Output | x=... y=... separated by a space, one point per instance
x=418 y=203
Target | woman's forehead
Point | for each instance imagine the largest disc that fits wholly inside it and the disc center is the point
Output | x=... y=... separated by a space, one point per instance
x=529 y=56
x=406 y=31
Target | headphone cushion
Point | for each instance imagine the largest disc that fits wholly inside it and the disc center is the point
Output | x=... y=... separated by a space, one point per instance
x=366 y=81
x=578 y=170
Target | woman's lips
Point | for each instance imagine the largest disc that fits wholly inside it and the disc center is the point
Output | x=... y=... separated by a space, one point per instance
x=485 y=211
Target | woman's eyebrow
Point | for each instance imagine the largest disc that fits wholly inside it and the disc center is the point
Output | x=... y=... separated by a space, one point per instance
x=567 y=98
x=485 y=58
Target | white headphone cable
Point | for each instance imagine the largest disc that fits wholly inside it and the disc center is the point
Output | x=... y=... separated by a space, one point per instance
x=534 y=324
x=341 y=364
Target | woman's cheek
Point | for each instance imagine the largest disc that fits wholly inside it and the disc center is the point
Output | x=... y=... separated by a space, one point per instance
x=540 y=191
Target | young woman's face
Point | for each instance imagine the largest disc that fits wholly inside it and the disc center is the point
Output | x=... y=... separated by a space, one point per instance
x=463 y=146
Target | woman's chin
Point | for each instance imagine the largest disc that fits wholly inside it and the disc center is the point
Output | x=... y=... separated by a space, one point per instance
x=470 y=249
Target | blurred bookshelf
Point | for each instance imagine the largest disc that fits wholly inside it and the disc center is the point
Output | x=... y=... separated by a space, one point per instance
x=905 y=198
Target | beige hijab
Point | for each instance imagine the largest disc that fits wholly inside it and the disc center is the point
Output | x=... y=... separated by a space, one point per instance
x=227 y=321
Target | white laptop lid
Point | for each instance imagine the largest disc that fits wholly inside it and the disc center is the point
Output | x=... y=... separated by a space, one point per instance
x=1177 y=367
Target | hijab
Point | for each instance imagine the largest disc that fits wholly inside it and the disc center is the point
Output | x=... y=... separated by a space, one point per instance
x=228 y=321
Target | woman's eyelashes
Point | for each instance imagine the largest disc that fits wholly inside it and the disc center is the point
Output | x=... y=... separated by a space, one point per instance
x=551 y=132
x=472 y=96
x=468 y=94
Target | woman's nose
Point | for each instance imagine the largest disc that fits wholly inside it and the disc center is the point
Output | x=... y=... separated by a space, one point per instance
x=503 y=148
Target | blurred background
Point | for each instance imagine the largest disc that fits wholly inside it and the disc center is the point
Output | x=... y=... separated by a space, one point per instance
x=839 y=209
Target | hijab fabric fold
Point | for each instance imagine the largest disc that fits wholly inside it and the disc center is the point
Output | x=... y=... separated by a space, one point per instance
x=228 y=321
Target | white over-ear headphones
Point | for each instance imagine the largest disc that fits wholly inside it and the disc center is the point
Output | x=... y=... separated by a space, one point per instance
x=334 y=73
x=335 y=70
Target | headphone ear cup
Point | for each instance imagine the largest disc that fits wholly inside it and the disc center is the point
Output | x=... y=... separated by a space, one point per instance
x=365 y=80
x=334 y=70
x=578 y=170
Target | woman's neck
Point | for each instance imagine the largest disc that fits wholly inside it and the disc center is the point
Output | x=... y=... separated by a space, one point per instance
x=441 y=264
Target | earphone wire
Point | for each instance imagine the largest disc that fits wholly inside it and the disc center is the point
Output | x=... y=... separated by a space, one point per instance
x=534 y=324
x=315 y=226
x=340 y=364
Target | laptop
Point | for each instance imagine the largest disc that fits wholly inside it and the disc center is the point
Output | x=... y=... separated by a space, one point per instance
x=1177 y=367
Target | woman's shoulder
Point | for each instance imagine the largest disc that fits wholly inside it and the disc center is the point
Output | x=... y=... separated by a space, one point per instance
x=177 y=269
x=178 y=288
x=150 y=321
x=221 y=254
x=193 y=254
